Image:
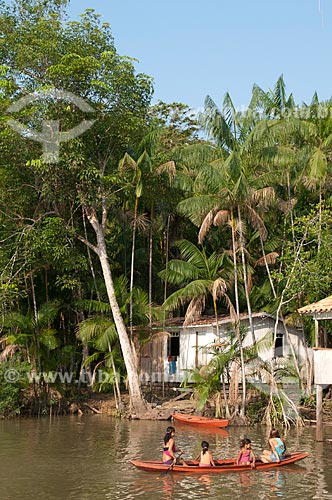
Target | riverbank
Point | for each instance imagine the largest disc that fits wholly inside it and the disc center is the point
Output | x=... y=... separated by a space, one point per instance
x=166 y=402
x=105 y=404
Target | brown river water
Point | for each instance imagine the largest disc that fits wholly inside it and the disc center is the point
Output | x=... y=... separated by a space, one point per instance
x=88 y=458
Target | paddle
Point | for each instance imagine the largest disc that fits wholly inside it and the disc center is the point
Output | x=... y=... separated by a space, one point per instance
x=171 y=466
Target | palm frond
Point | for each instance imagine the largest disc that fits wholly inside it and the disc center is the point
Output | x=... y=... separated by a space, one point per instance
x=195 y=289
x=317 y=169
x=179 y=272
x=194 y=310
x=191 y=253
x=256 y=221
x=219 y=288
x=221 y=218
x=197 y=207
x=196 y=155
x=92 y=327
x=232 y=312
x=95 y=306
x=169 y=168
x=270 y=259
x=216 y=125
x=106 y=338
x=263 y=197
x=206 y=224
x=127 y=163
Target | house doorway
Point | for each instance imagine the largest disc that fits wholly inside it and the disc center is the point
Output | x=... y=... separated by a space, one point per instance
x=173 y=351
x=279 y=345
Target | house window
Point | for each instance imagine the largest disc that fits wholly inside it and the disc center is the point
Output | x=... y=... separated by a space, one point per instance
x=174 y=344
x=278 y=345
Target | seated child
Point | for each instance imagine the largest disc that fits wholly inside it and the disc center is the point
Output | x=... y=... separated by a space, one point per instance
x=205 y=458
x=246 y=456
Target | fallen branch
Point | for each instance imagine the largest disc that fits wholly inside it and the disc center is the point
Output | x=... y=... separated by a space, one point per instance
x=92 y=408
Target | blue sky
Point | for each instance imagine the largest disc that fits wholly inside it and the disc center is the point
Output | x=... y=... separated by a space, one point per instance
x=193 y=48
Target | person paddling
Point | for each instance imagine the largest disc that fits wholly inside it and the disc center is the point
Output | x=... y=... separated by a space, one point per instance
x=169 y=448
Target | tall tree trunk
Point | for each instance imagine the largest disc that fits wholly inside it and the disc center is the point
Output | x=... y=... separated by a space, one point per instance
x=36 y=329
x=217 y=319
x=117 y=392
x=267 y=268
x=291 y=209
x=281 y=303
x=245 y=278
x=139 y=407
x=319 y=244
x=150 y=261
x=132 y=267
x=237 y=325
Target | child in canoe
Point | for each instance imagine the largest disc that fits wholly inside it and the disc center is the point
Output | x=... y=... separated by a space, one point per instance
x=246 y=456
x=205 y=457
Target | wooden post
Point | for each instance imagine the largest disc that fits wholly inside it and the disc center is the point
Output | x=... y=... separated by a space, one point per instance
x=316 y=333
x=319 y=395
x=163 y=366
x=319 y=413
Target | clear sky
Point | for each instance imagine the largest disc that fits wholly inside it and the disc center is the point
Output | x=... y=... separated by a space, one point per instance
x=193 y=48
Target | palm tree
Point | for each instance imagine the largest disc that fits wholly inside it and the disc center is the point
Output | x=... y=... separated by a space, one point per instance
x=228 y=191
x=199 y=276
x=223 y=366
x=317 y=152
x=100 y=331
x=32 y=334
x=147 y=170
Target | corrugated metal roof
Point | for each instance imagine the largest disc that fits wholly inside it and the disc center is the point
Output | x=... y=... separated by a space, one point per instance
x=324 y=305
x=208 y=320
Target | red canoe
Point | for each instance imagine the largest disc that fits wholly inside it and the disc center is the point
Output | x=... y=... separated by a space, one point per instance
x=192 y=466
x=203 y=421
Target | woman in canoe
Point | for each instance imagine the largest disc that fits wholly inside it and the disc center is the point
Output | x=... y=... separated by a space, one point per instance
x=277 y=450
x=169 y=448
x=205 y=458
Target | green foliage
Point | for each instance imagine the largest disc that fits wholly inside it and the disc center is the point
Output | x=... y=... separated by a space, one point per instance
x=255 y=410
x=310 y=273
x=14 y=377
x=268 y=180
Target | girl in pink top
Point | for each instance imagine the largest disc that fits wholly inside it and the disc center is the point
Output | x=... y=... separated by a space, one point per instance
x=246 y=456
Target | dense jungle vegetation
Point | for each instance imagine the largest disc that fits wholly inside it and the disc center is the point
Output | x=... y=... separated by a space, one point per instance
x=153 y=211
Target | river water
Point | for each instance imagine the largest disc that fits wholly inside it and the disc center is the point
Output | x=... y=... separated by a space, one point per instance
x=87 y=458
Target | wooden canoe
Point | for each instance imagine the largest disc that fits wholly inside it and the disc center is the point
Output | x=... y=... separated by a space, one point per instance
x=229 y=465
x=202 y=421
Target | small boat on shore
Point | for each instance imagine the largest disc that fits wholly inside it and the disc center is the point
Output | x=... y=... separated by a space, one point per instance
x=202 y=421
x=192 y=466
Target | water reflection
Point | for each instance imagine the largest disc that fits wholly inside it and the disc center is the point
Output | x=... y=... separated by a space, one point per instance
x=276 y=482
x=246 y=479
x=220 y=432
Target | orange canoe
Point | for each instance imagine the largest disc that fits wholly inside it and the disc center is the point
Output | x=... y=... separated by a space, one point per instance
x=221 y=465
x=203 y=421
